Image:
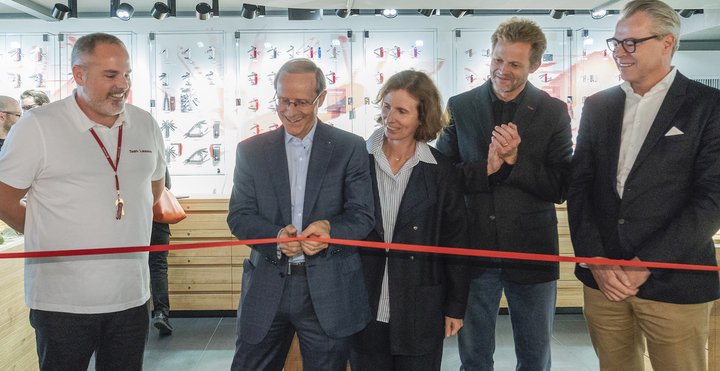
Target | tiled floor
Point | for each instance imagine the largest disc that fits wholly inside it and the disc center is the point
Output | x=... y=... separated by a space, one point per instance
x=208 y=344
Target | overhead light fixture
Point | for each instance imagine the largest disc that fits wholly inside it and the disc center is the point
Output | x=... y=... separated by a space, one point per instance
x=459 y=13
x=342 y=13
x=61 y=11
x=122 y=11
x=426 y=12
x=161 y=10
x=557 y=13
x=687 y=13
x=387 y=13
x=204 y=11
x=250 y=11
x=598 y=13
x=297 y=14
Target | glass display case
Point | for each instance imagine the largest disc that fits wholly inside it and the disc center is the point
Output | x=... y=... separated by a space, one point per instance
x=29 y=61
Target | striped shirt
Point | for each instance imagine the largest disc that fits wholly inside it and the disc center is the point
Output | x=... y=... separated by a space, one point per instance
x=391 y=188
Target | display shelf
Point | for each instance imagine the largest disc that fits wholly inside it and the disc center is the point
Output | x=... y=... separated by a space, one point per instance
x=29 y=61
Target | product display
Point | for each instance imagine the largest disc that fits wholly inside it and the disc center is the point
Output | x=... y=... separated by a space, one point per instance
x=29 y=61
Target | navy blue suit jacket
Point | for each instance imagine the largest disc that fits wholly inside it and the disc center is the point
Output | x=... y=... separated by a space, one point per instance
x=671 y=202
x=338 y=189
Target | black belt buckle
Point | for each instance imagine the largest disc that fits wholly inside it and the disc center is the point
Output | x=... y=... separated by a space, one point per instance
x=294 y=269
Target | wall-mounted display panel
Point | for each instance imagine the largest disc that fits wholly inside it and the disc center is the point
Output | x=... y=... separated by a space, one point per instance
x=188 y=100
x=29 y=61
x=260 y=55
x=386 y=53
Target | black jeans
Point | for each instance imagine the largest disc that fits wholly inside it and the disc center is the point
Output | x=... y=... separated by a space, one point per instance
x=66 y=341
x=158 y=268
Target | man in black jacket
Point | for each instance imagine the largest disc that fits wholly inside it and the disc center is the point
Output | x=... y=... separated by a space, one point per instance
x=510 y=191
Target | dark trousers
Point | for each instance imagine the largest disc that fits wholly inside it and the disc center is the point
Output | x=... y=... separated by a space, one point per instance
x=157 y=262
x=295 y=314
x=378 y=357
x=66 y=341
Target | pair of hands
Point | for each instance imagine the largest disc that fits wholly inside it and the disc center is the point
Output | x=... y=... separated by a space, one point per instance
x=317 y=229
x=618 y=283
x=503 y=147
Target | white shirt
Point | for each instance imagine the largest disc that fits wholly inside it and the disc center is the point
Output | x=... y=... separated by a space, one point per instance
x=391 y=188
x=639 y=115
x=71 y=205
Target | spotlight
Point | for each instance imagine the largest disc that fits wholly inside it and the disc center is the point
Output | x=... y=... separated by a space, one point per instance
x=598 y=13
x=61 y=11
x=122 y=11
x=556 y=13
x=161 y=10
x=203 y=11
x=342 y=13
x=459 y=13
x=387 y=13
x=249 y=11
x=426 y=12
x=687 y=13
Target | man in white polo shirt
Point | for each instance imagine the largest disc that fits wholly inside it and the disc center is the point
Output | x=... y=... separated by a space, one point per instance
x=91 y=167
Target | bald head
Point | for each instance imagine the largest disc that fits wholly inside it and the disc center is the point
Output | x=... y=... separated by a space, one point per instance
x=9 y=113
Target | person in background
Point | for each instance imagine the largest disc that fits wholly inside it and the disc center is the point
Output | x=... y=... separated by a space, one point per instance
x=304 y=179
x=418 y=200
x=159 y=274
x=30 y=99
x=91 y=167
x=513 y=143
x=646 y=188
x=9 y=114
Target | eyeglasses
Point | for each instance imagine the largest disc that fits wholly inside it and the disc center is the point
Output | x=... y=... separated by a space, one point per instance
x=12 y=113
x=282 y=102
x=630 y=45
x=26 y=108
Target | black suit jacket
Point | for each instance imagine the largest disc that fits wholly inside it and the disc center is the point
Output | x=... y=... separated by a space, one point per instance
x=424 y=288
x=519 y=213
x=338 y=188
x=671 y=203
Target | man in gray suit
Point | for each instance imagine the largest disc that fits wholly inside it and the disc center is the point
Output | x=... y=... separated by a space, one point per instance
x=510 y=191
x=646 y=187
x=304 y=179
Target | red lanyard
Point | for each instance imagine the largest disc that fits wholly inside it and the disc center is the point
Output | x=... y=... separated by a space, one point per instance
x=114 y=165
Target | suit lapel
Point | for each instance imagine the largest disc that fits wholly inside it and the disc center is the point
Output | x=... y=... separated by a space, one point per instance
x=615 y=111
x=379 y=229
x=416 y=194
x=664 y=119
x=482 y=107
x=526 y=109
x=322 y=148
x=278 y=167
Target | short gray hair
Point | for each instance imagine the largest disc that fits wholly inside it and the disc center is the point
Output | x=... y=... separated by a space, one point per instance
x=302 y=65
x=665 y=19
x=85 y=46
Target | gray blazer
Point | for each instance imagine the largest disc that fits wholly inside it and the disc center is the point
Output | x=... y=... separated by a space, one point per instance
x=671 y=203
x=338 y=189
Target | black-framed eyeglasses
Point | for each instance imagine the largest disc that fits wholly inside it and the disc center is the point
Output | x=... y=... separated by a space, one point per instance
x=12 y=113
x=282 y=102
x=630 y=44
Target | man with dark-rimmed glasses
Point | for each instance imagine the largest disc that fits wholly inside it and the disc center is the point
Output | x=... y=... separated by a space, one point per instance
x=646 y=188
x=9 y=114
x=304 y=179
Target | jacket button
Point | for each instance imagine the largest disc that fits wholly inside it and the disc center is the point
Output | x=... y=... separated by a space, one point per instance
x=492 y=217
x=621 y=221
x=412 y=257
x=415 y=228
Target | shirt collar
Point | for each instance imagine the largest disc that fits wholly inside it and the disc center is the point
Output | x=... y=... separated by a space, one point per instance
x=494 y=98
x=82 y=122
x=662 y=85
x=422 y=150
x=308 y=138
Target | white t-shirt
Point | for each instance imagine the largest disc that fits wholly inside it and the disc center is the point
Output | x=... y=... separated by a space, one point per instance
x=71 y=205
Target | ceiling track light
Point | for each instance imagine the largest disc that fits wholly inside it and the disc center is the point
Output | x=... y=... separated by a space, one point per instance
x=557 y=13
x=122 y=11
x=250 y=11
x=426 y=12
x=61 y=11
x=342 y=13
x=687 y=13
x=459 y=13
x=387 y=13
x=161 y=10
x=204 y=11
x=598 y=13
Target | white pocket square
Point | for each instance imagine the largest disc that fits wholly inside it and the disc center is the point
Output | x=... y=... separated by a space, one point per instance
x=674 y=131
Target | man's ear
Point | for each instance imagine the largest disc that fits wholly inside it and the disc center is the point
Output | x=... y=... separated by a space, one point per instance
x=78 y=74
x=534 y=67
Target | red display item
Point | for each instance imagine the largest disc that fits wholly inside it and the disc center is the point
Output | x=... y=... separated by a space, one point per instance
x=254 y=105
x=396 y=52
x=380 y=78
x=256 y=129
x=253 y=78
x=253 y=52
x=379 y=52
x=331 y=77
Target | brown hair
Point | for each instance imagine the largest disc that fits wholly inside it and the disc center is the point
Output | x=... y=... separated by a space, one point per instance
x=430 y=113
x=522 y=30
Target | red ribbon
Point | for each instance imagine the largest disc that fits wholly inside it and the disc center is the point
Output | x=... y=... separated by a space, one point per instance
x=369 y=244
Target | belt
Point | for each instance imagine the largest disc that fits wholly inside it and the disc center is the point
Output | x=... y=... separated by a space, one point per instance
x=294 y=269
